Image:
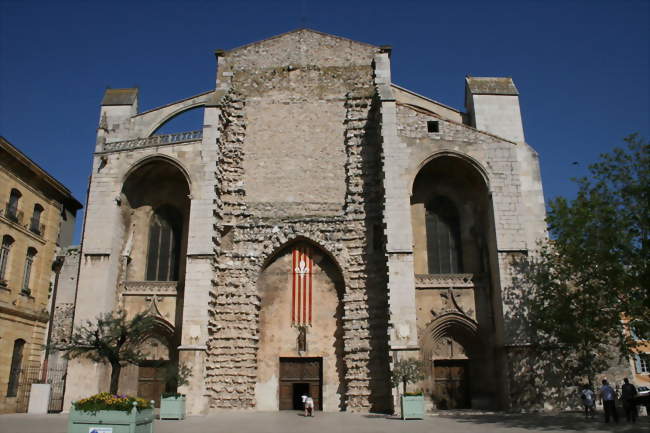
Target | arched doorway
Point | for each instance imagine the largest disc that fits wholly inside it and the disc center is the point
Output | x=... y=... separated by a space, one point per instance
x=301 y=333
x=452 y=355
x=161 y=356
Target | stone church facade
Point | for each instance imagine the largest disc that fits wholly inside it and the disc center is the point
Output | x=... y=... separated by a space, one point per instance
x=321 y=225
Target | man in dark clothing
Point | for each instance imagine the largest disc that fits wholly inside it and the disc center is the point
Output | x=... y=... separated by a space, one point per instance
x=628 y=391
x=608 y=396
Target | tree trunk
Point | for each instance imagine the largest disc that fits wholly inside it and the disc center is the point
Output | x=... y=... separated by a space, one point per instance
x=115 y=377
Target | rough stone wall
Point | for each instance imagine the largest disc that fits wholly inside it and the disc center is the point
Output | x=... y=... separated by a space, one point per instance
x=250 y=232
x=62 y=322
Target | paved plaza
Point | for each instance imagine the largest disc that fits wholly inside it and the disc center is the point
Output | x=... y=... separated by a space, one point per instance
x=288 y=422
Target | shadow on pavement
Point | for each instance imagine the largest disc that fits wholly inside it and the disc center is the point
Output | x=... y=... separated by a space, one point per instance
x=543 y=422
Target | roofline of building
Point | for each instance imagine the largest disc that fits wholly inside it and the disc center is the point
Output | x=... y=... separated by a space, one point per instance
x=299 y=30
x=38 y=170
x=426 y=99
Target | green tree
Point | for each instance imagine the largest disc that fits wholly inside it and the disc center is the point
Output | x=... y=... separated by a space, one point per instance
x=110 y=338
x=593 y=275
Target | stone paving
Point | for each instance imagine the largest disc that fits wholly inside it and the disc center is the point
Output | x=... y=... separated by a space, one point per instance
x=288 y=422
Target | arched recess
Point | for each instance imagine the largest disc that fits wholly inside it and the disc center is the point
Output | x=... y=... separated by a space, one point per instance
x=453 y=232
x=152 y=185
x=301 y=291
x=188 y=118
x=457 y=181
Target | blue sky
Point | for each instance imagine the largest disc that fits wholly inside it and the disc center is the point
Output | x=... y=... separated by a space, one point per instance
x=581 y=66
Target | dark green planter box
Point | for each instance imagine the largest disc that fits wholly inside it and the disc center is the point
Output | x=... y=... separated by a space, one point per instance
x=172 y=407
x=113 y=421
x=412 y=407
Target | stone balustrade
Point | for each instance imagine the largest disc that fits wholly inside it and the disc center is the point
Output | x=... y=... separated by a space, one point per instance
x=148 y=288
x=443 y=281
x=154 y=140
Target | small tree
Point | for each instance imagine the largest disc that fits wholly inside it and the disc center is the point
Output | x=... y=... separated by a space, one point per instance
x=110 y=338
x=176 y=375
x=407 y=371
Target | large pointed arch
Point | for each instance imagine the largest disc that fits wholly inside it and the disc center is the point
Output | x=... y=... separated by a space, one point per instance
x=301 y=314
x=468 y=160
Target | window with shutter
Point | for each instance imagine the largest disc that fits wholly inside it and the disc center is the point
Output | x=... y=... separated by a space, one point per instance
x=14 y=371
x=27 y=271
x=642 y=361
x=443 y=237
x=5 y=249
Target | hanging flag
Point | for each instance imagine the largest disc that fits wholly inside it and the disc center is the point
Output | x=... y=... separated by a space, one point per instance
x=301 y=292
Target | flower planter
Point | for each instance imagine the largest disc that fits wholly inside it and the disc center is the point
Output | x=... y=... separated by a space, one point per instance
x=172 y=407
x=412 y=406
x=111 y=421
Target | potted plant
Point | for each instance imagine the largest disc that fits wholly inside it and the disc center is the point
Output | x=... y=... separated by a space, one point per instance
x=172 y=404
x=111 y=412
x=113 y=339
x=407 y=371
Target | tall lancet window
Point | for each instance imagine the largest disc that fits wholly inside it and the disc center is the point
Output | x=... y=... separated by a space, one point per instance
x=443 y=237
x=164 y=245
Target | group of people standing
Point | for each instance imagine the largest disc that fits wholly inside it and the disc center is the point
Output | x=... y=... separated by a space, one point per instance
x=608 y=396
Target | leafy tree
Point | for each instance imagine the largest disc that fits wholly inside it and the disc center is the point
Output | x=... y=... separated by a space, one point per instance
x=110 y=338
x=407 y=371
x=593 y=275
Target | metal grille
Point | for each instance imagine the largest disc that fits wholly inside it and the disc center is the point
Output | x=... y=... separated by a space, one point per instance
x=56 y=378
x=27 y=376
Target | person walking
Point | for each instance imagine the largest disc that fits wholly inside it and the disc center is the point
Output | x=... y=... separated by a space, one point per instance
x=309 y=405
x=608 y=397
x=628 y=392
x=588 y=399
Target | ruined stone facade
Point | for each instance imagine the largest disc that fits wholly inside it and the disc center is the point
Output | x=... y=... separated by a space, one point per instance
x=406 y=211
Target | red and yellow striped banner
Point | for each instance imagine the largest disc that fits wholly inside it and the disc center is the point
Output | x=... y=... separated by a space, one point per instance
x=301 y=294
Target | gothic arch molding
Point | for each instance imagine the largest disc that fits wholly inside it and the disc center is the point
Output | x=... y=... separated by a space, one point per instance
x=456 y=324
x=158 y=157
x=278 y=243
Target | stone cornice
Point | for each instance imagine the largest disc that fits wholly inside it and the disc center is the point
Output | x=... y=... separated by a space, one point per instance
x=41 y=316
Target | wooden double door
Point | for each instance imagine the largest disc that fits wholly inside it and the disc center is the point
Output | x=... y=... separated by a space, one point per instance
x=151 y=380
x=299 y=376
x=451 y=387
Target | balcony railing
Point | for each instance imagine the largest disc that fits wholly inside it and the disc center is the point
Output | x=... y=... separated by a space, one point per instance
x=13 y=214
x=36 y=228
x=154 y=140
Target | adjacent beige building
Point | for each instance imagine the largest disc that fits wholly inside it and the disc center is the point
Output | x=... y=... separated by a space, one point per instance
x=37 y=215
x=321 y=224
